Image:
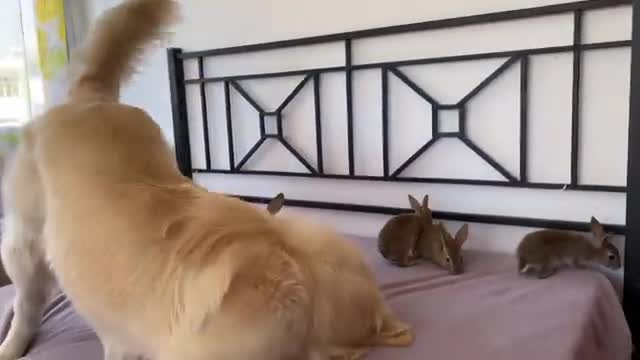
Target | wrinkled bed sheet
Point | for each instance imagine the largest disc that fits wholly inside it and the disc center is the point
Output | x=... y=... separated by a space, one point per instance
x=492 y=313
x=488 y=313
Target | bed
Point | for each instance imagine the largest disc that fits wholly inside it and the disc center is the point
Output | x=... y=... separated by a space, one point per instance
x=491 y=313
x=486 y=313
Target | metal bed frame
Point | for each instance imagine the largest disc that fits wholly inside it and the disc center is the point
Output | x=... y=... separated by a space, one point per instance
x=178 y=83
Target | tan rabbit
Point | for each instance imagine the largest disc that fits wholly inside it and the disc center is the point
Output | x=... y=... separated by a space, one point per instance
x=398 y=238
x=276 y=204
x=437 y=245
x=544 y=251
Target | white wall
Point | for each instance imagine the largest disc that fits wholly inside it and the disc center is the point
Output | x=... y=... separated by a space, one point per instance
x=210 y=24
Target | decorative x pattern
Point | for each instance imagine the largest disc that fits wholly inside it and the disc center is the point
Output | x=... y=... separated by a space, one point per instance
x=460 y=107
x=277 y=114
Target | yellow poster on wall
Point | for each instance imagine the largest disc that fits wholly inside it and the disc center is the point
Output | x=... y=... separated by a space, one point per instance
x=52 y=36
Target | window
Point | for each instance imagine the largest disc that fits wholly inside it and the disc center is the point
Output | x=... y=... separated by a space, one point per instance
x=14 y=97
x=9 y=86
x=33 y=54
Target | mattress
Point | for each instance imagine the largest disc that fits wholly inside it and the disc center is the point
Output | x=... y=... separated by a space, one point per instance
x=492 y=313
x=63 y=335
x=487 y=313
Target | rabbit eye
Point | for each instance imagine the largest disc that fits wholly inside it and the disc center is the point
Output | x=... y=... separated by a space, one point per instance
x=612 y=257
x=448 y=259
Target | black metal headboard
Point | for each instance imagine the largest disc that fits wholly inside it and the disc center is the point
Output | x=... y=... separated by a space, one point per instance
x=518 y=57
x=521 y=179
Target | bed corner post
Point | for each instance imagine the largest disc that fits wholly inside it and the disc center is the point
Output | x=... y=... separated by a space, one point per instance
x=179 y=109
x=632 y=243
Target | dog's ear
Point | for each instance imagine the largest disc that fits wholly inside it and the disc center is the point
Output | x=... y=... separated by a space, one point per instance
x=214 y=281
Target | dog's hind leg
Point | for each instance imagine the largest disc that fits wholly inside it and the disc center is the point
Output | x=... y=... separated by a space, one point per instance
x=25 y=264
x=22 y=251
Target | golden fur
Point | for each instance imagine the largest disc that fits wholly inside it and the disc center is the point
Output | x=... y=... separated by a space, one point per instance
x=159 y=266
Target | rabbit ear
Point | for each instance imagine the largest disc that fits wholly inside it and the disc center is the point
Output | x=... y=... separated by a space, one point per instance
x=425 y=203
x=598 y=232
x=276 y=204
x=415 y=205
x=443 y=242
x=441 y=234
x=462 y=235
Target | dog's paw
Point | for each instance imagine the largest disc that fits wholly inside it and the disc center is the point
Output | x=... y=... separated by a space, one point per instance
x=8 y=356
x=9 y=352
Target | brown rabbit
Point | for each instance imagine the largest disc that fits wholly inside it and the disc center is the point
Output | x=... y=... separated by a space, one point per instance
x=276 y=204
x=437 y=245
x=398 y=238
x=545 y=251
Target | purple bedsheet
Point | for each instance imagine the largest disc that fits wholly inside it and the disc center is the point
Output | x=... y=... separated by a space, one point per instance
x=492 y=313
x=64 y=335
x=488 y=313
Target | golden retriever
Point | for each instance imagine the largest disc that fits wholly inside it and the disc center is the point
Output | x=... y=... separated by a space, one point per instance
x=158 y=266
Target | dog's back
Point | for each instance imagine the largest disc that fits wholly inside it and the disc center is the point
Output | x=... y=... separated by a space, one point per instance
x=156 y=265
x=164 y=253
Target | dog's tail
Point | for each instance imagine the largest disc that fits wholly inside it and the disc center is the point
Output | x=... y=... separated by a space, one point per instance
x=114 y=45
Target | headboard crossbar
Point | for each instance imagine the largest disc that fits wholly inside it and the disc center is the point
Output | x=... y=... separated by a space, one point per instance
x=474 y=218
